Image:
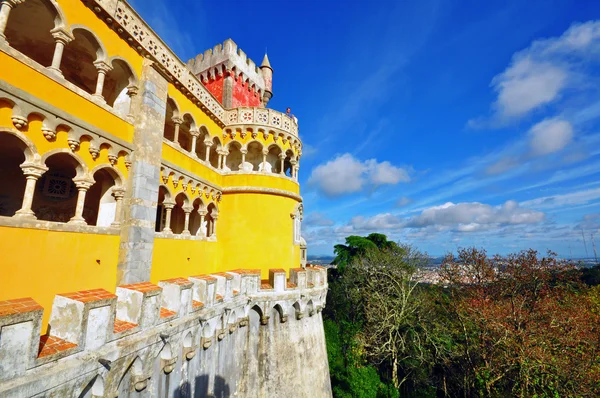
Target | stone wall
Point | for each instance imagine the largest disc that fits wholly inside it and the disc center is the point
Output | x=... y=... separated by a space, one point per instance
x=220 y=335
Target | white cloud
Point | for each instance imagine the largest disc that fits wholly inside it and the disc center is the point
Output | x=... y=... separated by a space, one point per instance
x=526 y=85
x=550 y=135
x=317 y=219
x=346 y=174
x=403 y=201
x=567 y=199
x=378 y=222
x=540 y=74
x=466 y=217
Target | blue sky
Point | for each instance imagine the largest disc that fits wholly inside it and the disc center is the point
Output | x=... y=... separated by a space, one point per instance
x=441 y=124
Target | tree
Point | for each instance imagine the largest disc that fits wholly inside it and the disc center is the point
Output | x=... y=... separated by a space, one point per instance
x=525 y=327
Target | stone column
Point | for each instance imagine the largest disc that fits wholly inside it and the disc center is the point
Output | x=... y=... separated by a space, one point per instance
x=141 y=192
x=32 y=173
x=213 y=229
x=5 y=8
x=293 y=169
x=103 y=68
x=132 y=91
x=186 y=224
x=220 y=164
x=195 y=134
x=82 y=187
x=281 y=163
x=62 y=37
x=208 y=144
x=201 y=231
x=168 y=208
x=225 y=153
x=177 y=122
x=244 y=151
x=296 y=172
x=118 y=194
x=264 y=160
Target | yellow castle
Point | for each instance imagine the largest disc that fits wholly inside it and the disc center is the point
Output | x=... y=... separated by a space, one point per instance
x=122 y=164
x=150 y=216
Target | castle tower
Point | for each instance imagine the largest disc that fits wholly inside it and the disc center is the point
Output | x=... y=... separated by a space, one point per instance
x=267 y=73
x=232 y=77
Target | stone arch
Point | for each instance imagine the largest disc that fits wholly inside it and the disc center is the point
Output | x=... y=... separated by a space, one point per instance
x=14 y=154
x=164 y=196
x=211 y=219
x=207 y=330
x=182 y=202
x=30 y=27
x=197 y=223
x=310 y=307
x=287 y=163
x=100 y=201
x=185 y=137
x=279 y=312
x=273 y=158
x=172 y=113
x=214 y=156
x=255 y=154
x=28 y=147
x=132 y=378
x=95 y=388
x=56 y=195
x=234 y=157
x=200 y=144
x=81 y=168
x=82 y=57
x=116 y=84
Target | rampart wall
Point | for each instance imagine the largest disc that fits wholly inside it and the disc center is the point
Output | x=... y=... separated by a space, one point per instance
x=226 y=334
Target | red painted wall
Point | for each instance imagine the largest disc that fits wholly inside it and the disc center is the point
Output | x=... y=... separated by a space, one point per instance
x=216 y=88
x=242 y=96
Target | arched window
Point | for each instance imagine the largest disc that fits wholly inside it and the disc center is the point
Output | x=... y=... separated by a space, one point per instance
x=255 y=155
x=116 y=84
x=273 y=158
x=211 y=220
x=287 y=164
x=100 y=202
x=234 y=158
x=13 y=186
x=178 y=214
x=82 y=60
x=185 y=138
x=214 y=156
x=29 y=30
x=201 y=144
x=197 y=218
x=164 y=197
x=171 y=116
x=55 y=198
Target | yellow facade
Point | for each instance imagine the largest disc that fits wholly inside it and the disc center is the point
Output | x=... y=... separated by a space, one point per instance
x=71 y=135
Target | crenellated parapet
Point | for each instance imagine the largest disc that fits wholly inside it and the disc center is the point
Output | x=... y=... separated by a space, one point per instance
x=227 y=58
x=105 y=342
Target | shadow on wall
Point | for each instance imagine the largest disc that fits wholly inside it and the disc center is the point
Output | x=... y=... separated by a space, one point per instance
x=220 y=389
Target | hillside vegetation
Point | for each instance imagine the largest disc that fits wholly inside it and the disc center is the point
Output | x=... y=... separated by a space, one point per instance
x=520 y=325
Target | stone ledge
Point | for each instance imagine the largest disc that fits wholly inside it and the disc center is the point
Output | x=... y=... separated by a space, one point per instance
x=15 y=222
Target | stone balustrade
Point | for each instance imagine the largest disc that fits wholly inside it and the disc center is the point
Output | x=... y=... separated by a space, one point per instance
x=262 y=117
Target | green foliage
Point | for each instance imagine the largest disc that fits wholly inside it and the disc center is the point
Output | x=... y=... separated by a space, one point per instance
x=518 y=325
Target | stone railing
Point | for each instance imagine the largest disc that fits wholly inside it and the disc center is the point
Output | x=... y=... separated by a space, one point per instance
x=111 y=344
x=263 y=117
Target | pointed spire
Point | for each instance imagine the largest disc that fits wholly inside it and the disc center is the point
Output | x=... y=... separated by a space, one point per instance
x=265 y=62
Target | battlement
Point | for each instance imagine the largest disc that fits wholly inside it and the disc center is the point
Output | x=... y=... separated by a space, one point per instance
x=227 y=57
x=92 y=328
